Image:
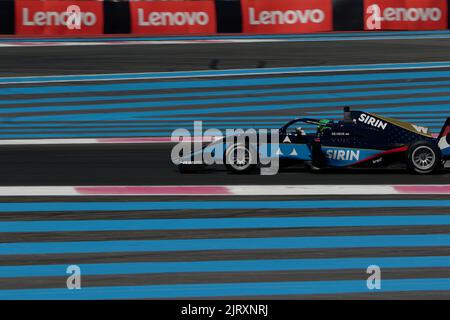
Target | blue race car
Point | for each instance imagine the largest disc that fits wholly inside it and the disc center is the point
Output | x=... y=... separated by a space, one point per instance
x=359 y=140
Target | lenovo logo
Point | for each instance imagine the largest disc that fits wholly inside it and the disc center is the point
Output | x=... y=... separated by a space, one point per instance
x=55 y=18
x=172 y=18
x=285 y=17
x=405 y=14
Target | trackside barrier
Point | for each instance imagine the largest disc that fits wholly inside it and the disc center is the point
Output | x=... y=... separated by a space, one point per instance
x=50 y=17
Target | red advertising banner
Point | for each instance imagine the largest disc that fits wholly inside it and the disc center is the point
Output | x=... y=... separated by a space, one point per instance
x=405 y=14
x=173 y=17
x=58 y=17
x=287 y=16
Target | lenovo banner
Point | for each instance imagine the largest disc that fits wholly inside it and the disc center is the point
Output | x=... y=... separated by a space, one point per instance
x=405 y=14
x=173 y=17
x=58 y=17
x=288 y=16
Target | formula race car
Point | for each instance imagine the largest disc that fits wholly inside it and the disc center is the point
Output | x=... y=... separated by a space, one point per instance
x=360 y=139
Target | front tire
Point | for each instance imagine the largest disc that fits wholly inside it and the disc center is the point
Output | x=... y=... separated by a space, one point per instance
x=240 y=158
x=423 y=157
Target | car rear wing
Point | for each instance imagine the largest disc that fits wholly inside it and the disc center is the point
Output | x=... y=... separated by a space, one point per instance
x=445 y=129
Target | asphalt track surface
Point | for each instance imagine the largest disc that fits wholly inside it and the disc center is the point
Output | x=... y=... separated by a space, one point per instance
x=205 y=258
x=151 y=165
x=141 y=58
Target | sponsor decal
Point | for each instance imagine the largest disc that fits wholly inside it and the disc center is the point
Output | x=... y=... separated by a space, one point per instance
x=345 y=155
x=371 y=121
x=58 y=17
x=289 y=16
x=378 y=160
x=173 y=17
x=405 y=14
x=420 y=129
x=340 y=133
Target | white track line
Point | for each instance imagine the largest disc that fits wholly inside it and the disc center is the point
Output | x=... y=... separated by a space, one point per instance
x=144 y=140
x=46 y=141
x=247 y=190
x=330 y=38
x=140 y=140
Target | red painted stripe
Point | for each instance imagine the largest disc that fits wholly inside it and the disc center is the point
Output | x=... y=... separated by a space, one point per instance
x=401 y=149
x=444 y=189
x=153 y=190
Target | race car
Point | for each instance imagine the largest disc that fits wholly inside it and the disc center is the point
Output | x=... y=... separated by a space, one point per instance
x=360 y=140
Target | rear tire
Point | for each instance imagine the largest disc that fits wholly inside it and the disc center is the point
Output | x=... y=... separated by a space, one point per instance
x=240 y=158
x=423 y=157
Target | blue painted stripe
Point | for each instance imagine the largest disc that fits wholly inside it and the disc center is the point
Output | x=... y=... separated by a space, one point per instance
x=332 y=242
x=221 y=93
x=421 y=114
x=205 y=73
x=145 y=125
x=239 y=100
x=238 y=123
x=141 y=115
x=85 y=135
x=370 y=38
x=224 y=83
x=213 y=205
x=150 y=127
x=207 y=122
x=103 y=134
x=417 y=115
x=221 y=223
x=226 y=266
x=228 y=289
x=167 y=128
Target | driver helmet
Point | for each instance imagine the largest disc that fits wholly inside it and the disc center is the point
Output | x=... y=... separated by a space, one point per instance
x=300 y=131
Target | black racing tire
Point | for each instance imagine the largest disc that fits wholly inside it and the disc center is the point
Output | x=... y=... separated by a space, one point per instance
x=423 y=157
x=248 y=163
